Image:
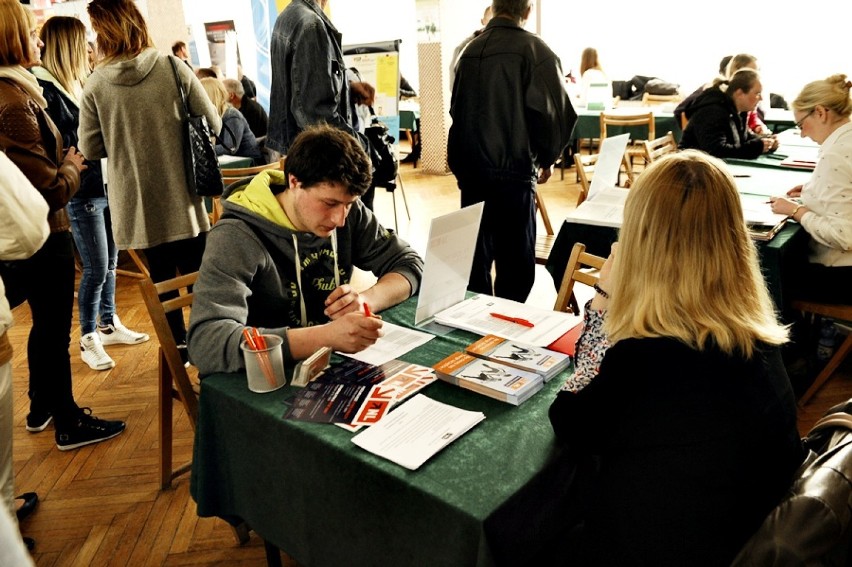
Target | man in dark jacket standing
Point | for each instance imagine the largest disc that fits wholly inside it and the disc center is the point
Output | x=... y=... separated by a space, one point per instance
x=304 y=43
x=505 y=137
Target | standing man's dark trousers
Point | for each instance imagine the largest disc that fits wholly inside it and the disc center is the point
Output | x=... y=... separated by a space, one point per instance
x=506 y=237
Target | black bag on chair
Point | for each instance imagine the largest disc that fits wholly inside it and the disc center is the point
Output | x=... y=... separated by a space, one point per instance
x=202 y=167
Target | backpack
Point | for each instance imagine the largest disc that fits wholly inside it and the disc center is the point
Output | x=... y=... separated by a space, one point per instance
x=382 y=154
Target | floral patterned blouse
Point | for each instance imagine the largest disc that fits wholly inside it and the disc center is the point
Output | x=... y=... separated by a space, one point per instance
x=591 y=348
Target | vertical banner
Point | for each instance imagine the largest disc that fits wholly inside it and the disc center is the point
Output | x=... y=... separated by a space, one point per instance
x=264 y=13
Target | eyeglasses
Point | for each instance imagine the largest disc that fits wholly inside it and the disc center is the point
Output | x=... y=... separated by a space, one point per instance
x=805 y=117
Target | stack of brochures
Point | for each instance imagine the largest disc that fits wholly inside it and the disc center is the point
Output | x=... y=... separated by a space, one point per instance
x=493 y=379
x=520 y=355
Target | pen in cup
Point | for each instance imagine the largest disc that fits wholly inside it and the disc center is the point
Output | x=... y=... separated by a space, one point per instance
x=258 y=344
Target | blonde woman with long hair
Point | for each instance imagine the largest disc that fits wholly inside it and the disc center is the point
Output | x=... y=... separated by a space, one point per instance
x=63 y=71
x=689 y=417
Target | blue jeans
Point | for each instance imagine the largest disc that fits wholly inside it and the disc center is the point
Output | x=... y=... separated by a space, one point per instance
x=92 y=228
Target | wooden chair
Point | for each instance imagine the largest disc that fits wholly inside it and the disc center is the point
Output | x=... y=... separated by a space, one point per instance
x=233 y=175
x=654 y=149
x=648 y=99
x=543 y=242
x=174 y=380
x=683 y=121
x=630 y=120
x=832 y=311
x=586 y=167
x=173 y=377
x=582 y=267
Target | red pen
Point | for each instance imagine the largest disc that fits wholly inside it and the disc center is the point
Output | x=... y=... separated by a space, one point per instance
x=367 y=311
x=516 y=320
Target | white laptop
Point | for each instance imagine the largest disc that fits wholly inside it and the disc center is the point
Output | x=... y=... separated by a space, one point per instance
x=448 y=261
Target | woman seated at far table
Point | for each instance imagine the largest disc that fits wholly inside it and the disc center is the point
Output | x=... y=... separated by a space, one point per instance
x=690 y=422
x=236 y=138
x=718 y=119
x=823 y=205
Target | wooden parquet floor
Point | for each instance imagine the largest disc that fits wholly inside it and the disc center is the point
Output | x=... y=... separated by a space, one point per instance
x=101 y=505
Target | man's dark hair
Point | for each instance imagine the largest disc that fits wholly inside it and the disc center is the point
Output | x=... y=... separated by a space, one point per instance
x=325 y=154
x=514 y=9
x=177 y=46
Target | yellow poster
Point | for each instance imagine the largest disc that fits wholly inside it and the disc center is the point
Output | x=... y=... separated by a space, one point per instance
x=387 y=74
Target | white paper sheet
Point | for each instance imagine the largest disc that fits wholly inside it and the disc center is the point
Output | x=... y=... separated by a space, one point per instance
x=395 y=342
x=474 y=315
x=608 y=164
x=416 y=430
x=607 y=209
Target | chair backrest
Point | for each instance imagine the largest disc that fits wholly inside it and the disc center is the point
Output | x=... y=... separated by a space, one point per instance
x=586 y=167
x=235 y=174
x=170 y=359
x=648 y=98
x=663 y=145
x=542 y=210
x=622 y=119
x=582 y=267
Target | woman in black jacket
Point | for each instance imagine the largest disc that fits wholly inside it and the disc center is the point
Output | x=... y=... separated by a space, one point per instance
x=718 y=120
x=687 y=422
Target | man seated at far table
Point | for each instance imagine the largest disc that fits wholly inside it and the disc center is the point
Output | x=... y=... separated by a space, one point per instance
x=283 y=254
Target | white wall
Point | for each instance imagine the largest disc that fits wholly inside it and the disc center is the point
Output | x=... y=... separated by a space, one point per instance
x=683 y=42
x=197 y=12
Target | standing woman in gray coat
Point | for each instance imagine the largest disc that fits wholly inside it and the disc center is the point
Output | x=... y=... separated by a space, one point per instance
x=131 y=112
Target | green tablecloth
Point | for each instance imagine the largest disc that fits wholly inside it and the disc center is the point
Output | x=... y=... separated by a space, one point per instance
x=589 y=126
x=778 y=257
x=309 y=490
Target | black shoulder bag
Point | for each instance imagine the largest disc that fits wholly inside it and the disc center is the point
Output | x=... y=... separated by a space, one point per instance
x=202 y=168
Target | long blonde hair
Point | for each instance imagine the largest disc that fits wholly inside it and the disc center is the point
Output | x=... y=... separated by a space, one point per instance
x=686 y=266
x=64 y=53
x=217 y=93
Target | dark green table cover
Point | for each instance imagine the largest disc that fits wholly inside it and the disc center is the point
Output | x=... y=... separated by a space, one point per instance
x=771 y=161
x=779 y=257
x=589 y=125
x=309 y=490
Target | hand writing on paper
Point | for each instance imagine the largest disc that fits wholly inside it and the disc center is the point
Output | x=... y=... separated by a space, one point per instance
x=353 y=332
x=783 y=206
x=341 y=301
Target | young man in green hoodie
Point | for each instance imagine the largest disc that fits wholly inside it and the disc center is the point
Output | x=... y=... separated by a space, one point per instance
x=283 y=254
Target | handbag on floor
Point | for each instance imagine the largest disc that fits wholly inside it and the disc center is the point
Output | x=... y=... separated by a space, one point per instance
x=199 y=155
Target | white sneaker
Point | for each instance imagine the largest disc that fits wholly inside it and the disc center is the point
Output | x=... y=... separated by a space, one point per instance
x=92 y=352
x=118 y=334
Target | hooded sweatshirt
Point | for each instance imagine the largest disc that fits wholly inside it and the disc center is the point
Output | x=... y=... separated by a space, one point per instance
x=717 y=128
x=131 y=112
x=249 y=275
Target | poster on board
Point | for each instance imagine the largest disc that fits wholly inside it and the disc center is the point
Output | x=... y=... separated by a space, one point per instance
x=378 y=64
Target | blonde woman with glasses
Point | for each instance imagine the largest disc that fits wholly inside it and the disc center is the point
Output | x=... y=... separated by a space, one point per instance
x=823 y=205
x=689 y=419
x=63 y=71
